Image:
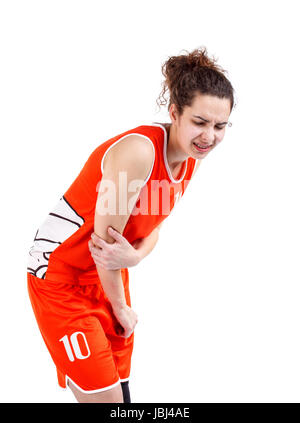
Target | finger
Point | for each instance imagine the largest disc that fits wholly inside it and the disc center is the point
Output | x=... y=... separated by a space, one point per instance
x=96 y=251
x=91 y=245
x=98 y=260
x=116 y=235
x=126 y=334
x=98 y=241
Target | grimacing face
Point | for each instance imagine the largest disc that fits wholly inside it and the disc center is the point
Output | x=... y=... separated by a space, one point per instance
x=202 y=125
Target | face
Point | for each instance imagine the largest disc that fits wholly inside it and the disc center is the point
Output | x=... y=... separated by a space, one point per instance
x=202 y=125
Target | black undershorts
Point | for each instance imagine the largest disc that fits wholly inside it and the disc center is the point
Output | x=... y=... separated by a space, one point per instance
x=126 y=393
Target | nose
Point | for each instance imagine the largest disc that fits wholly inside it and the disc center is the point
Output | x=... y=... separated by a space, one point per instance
x=208 y=136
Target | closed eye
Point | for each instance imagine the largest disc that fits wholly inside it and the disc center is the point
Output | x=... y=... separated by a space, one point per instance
x=202 y=123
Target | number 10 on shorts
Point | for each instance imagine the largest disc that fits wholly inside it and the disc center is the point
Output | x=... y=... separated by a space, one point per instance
x=73 y=342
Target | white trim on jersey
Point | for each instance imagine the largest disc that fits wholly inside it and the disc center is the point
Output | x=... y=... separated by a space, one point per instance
x=176 y=181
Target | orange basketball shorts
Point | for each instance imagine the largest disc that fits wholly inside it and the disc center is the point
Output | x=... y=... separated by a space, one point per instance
x=81 y=333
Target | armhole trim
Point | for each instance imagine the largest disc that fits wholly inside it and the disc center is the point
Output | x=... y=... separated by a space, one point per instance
x=125 y=136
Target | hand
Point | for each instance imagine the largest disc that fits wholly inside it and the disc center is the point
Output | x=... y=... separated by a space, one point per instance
x=114 y=256
x=127 y=319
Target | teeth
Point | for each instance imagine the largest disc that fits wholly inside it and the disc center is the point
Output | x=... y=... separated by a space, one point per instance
x=200 y=146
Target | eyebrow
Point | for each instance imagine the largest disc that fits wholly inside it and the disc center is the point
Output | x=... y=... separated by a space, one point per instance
x=199 y=117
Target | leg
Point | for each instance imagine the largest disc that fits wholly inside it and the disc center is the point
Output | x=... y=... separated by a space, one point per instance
x=78 y=345
x=108 y=396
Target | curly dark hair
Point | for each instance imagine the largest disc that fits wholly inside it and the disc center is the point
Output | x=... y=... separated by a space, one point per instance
x=192 y=73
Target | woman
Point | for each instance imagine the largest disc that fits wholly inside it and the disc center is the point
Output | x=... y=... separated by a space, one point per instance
x=109 y=220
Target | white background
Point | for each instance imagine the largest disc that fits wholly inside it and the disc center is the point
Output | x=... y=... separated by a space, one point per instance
x=218 y=299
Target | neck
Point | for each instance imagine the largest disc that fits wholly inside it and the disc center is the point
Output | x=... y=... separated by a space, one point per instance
x=175 y=155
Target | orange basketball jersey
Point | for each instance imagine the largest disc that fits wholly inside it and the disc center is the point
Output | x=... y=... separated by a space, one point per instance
x=60 y=247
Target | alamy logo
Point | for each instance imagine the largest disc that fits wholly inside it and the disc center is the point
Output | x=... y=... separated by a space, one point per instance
x=156 y=198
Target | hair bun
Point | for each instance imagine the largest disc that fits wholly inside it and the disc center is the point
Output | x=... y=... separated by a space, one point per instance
x=187 y=74
x=199 y=58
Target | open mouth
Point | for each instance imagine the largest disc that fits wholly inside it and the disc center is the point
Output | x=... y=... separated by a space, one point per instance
x=201 y=148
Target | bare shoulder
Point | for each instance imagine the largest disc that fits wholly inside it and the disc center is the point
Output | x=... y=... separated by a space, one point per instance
x=133 y=150
x=134 y=147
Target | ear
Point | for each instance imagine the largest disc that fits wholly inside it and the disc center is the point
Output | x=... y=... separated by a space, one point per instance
x=173 y=113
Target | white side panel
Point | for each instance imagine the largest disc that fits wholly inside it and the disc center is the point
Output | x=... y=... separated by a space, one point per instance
x=59 y=225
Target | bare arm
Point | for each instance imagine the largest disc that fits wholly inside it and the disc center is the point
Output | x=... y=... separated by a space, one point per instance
x=121 y=253
x=133 y=157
